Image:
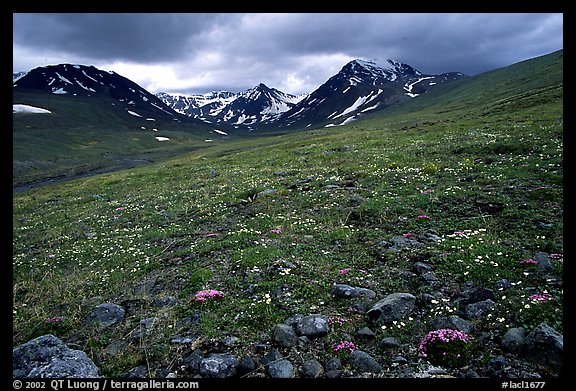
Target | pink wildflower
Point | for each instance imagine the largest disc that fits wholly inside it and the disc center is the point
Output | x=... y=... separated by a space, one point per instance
x=528 y=261
x=120 y=208
x=56 y=319
x=210 y=235
x=350 y=346
x=345 y=271
x=540 y=298
x=202 y=296
x=424 y=217
x=408 y=235
x=276 y=231
x=442 y=336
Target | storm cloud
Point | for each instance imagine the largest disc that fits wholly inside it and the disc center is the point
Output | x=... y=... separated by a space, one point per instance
x=294 y=52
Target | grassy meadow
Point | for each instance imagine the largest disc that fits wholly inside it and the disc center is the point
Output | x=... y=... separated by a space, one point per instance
x=274 y=222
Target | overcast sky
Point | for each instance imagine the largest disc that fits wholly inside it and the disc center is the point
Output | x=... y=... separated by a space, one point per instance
x=192 y=53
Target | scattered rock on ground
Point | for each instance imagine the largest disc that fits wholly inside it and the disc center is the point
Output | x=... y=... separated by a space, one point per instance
x=546 y=346
x=106 y=314
x=313 y=326
x=392 y=307
x=281 y=369
x=218 y=365
x=363 y=362
x=48 y=357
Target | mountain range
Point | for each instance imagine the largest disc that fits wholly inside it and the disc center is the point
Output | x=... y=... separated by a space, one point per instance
x=91 y=121
x=360 y=87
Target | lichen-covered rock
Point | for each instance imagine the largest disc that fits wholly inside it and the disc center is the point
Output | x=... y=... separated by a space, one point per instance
x=106 y=314
x=313 y=326
x=281 y=369
x=546 y=346
x=49 y=357
x=218 y=365
x=363 y=362
x=392 y=307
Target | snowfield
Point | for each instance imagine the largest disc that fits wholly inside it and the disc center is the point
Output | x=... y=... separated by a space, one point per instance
x=29 y=109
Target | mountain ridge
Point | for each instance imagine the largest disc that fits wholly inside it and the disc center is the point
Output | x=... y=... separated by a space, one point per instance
x=360 y=86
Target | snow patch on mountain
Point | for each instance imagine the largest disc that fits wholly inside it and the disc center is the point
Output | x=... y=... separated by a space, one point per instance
x=19 y=108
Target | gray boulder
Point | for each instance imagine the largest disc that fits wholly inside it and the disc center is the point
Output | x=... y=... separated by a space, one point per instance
x=479 y=310
x=545 y=345
x=49 y=357
x=450 y=322
x=281 y=369
x=312 y=368
x=218 y=365
x=392 y=307
x=347 y=291
x=399 y=243
x=363 y=362
x=513 y=339
x=313 y=326
x=284 y=335
x=106 y=314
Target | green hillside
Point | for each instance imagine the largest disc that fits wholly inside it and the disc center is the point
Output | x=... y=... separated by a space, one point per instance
x=82 y=135
x=451 y=191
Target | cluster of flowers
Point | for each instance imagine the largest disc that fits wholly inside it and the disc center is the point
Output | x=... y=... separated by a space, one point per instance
x=556 y=256
x=439 y=341
x=343 y=345
x=528 y=261
x=336 y=319
x=540 y=298
x=202 y=296
x=56 y=319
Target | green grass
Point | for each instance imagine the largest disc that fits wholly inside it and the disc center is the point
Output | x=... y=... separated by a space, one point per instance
x=491 y=185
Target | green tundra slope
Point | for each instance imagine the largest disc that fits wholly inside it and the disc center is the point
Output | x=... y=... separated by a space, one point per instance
x=457 y=190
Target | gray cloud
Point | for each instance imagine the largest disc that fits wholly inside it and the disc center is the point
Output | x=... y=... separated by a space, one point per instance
x=293 y=52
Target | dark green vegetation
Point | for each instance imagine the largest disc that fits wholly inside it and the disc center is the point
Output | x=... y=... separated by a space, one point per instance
x=86 y=134
x=482 y=166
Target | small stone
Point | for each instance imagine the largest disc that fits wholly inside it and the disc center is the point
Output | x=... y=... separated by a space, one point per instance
x=230 y=341
x=478 y=310
x=450 y=322
x=218 y=365
x=284 y=335
x=363 y=362
x=281 y=369
x=246 y=364
x=497 y=363
x=106 y=315
x=270 y=357
x=48 y=357
x=545 y=345
x=333 y=363
x=183 y=339
x=392 y=307
x=312 y=368
x=365 y=332
x=513 y=339
x=313 y=326
x=389 y=342
x=192 y=361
